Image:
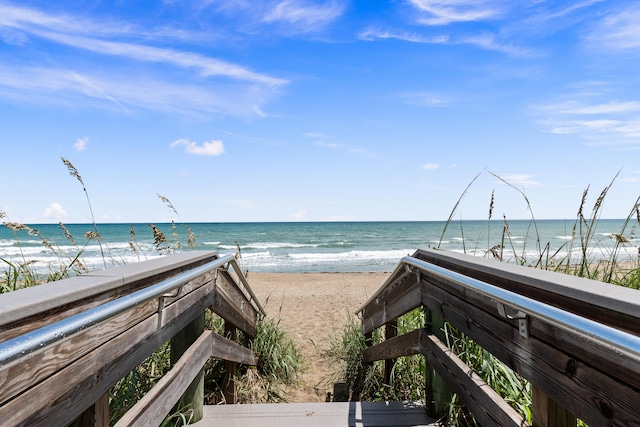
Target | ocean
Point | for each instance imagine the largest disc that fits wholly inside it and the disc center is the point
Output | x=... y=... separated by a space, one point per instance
x=312 y=246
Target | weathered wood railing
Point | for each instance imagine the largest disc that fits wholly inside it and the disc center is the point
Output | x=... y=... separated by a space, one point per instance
x=576 y=340
x=63 y=345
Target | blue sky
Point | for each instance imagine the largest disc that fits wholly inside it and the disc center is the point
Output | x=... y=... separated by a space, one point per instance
x=317 y=110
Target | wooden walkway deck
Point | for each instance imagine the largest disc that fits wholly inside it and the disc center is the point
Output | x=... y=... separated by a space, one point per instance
x=336 y=414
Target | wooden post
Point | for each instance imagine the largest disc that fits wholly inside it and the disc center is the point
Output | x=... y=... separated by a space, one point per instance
x=228 y=381
x=390 y=331
x=97 y=415
x=547 y=413
x=193 y=397
x=438 y=393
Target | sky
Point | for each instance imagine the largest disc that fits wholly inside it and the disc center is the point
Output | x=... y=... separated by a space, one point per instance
x=318 y=110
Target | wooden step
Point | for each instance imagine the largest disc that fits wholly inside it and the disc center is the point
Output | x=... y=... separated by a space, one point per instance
x=333 y=414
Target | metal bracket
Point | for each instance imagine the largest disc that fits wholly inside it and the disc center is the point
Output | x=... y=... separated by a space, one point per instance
x=523 y=322
x=161 y=304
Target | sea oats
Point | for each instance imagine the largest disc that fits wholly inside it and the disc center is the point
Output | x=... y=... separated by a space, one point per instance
x=72 y=170
x=46 y=244
x=16 y=226
x=191 y=240
x=620 y=238
x=159 y=239
x=495 y=251
x=67 y=234
x=91 y=235
x=491 y=204
x=168 y=203
x=582 y=204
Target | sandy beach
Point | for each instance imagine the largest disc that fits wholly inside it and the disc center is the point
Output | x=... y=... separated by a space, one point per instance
x=312 y=307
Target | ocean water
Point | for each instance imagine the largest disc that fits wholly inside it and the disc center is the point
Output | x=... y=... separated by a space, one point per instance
x=313 y=247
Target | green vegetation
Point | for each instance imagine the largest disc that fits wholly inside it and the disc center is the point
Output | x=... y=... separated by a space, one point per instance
x=366 y=382
x=279 y=359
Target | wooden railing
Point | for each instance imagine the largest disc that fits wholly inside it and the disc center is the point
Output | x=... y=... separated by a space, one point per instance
x=63 y=345
x=576 y=340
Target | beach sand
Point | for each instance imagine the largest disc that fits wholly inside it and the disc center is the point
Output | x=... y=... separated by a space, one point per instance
x=312 y=307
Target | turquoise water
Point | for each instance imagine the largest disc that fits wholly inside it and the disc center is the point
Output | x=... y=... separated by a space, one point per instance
x=312 y=247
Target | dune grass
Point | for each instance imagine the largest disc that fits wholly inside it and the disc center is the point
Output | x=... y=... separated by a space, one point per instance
x=279 y=359
x=365 y=381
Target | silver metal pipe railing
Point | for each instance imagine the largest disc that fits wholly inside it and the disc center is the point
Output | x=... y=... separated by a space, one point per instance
x=620 y=342
x=25 y=344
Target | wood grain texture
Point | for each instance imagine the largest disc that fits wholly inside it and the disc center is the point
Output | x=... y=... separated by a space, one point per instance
x=152 y=409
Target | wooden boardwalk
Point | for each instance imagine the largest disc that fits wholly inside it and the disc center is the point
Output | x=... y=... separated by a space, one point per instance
x=335 y=414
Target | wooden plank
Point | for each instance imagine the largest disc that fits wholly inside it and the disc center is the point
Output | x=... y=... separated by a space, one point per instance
x=30 y=308
x=483 y=402
x=153 y=408
x=594 y=353
x=228 y=379
x=181 y=342
x=401 y=304
x=232 y=280
x=60 y=398
x=612 y=305
x=547 y=413
x=226 y=307
x=241 y=309
x=35 y=367
x=392 y=290
x=403 y=345
x=592 y=395
x=224 y=349
x=334 y=414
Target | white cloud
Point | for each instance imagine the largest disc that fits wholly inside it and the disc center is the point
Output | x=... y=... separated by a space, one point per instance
x=618 y=31
x=54 y=211
x=45 y=85
x=443 y=12
x=81 y=144
x=430 y=166
x=486 y=41
x=373 y=34
x=424 y=99
x=205 y=84
x=301 y=215
x=598 y=123
x=210 y=148
x=305 y=16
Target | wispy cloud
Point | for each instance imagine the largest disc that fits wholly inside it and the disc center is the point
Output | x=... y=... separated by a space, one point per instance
x=618 y=31
x=283 y=17
x=431 y=166
x=605 y=123
x=304 y=16
x=208 y=81
x=81 y=144
x=210 y=148
x=424 y=99
x=443 y=12
x=487 y=41
x=372 y=34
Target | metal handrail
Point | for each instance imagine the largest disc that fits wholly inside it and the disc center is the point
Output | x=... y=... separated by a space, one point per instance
x=25 y=344
x=620 y=342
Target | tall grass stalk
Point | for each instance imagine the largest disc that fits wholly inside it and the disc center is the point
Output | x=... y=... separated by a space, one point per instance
x=74 y=172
